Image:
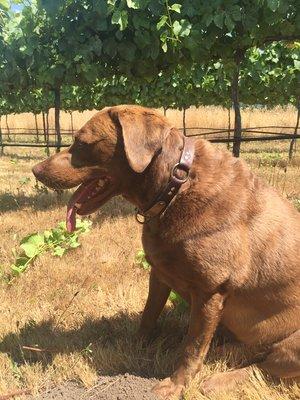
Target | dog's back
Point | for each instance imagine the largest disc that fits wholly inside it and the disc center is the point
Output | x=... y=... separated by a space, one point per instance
x=265 y=307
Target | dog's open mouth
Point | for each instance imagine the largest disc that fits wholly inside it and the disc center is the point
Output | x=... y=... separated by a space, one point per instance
x=88 y=197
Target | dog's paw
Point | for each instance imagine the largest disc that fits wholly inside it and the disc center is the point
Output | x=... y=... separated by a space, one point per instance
x=168 y=390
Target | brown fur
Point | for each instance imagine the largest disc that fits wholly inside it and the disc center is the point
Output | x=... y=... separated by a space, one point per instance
x=228 y=243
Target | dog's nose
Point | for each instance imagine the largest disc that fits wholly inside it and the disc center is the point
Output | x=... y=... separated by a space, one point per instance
x=37 y=170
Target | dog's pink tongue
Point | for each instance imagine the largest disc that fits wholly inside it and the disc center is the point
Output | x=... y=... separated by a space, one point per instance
x=71 y=219
x=80 y=195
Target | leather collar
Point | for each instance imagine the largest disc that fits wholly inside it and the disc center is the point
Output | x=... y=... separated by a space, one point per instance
x=164 y=198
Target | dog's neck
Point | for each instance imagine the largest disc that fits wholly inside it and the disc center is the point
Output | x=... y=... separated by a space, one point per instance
x=213 y=176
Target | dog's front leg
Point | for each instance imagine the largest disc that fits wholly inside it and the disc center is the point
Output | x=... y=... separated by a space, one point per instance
x=204 y=318
x=157 y=298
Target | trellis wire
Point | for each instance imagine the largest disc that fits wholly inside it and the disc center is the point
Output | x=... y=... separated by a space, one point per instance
x=270 y=136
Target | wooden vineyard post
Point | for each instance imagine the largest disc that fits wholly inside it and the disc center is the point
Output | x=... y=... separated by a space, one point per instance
x=184 y=120
x=72 y=122
x=7 y=127
x=293 y=141
x=1 y=140
x=36 y=128
x=229 y=127
x=46 y=133
x=236 y=104
x=57 y=115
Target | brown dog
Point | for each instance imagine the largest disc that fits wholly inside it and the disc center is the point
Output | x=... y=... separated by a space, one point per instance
x=223 y=239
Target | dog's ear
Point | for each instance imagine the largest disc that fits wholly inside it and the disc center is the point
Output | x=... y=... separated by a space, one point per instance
x=143 y=135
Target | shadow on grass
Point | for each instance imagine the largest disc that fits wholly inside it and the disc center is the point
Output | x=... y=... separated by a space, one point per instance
x=15 y=202
x=116 y=207
x=110 y=345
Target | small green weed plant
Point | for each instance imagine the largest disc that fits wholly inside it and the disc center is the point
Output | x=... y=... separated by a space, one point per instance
x=297 y=203
x=271 y=159
x=140 y=260
x=57 y=241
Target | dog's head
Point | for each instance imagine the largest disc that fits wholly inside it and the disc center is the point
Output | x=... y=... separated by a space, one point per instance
x=116 y=143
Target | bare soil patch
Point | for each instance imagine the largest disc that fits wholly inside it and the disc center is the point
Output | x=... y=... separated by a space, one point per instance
x=119 y=387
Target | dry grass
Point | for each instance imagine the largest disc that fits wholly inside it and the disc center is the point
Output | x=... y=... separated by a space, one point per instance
x=94 y=334
x=208 y=117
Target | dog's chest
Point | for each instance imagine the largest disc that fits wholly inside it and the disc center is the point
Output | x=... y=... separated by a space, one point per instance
x=185 y=264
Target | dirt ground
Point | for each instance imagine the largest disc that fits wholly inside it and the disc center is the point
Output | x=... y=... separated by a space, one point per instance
x=119 y=387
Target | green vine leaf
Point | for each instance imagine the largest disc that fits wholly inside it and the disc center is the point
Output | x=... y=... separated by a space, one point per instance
x=4 y=4
x=273 y=4
x=162 y=22
x=30 y=249
x=57 y=240
x=59 y=251
x=120 y=17
x=135 y=4
x=218 y=20
x=176 y=7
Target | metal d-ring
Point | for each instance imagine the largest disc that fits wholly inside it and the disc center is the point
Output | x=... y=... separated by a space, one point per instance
x=182 y=167
x=140 y=218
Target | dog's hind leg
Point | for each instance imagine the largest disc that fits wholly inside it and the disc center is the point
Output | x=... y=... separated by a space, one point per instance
x=282 y=361
x=225 y=381
x=157 y=298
